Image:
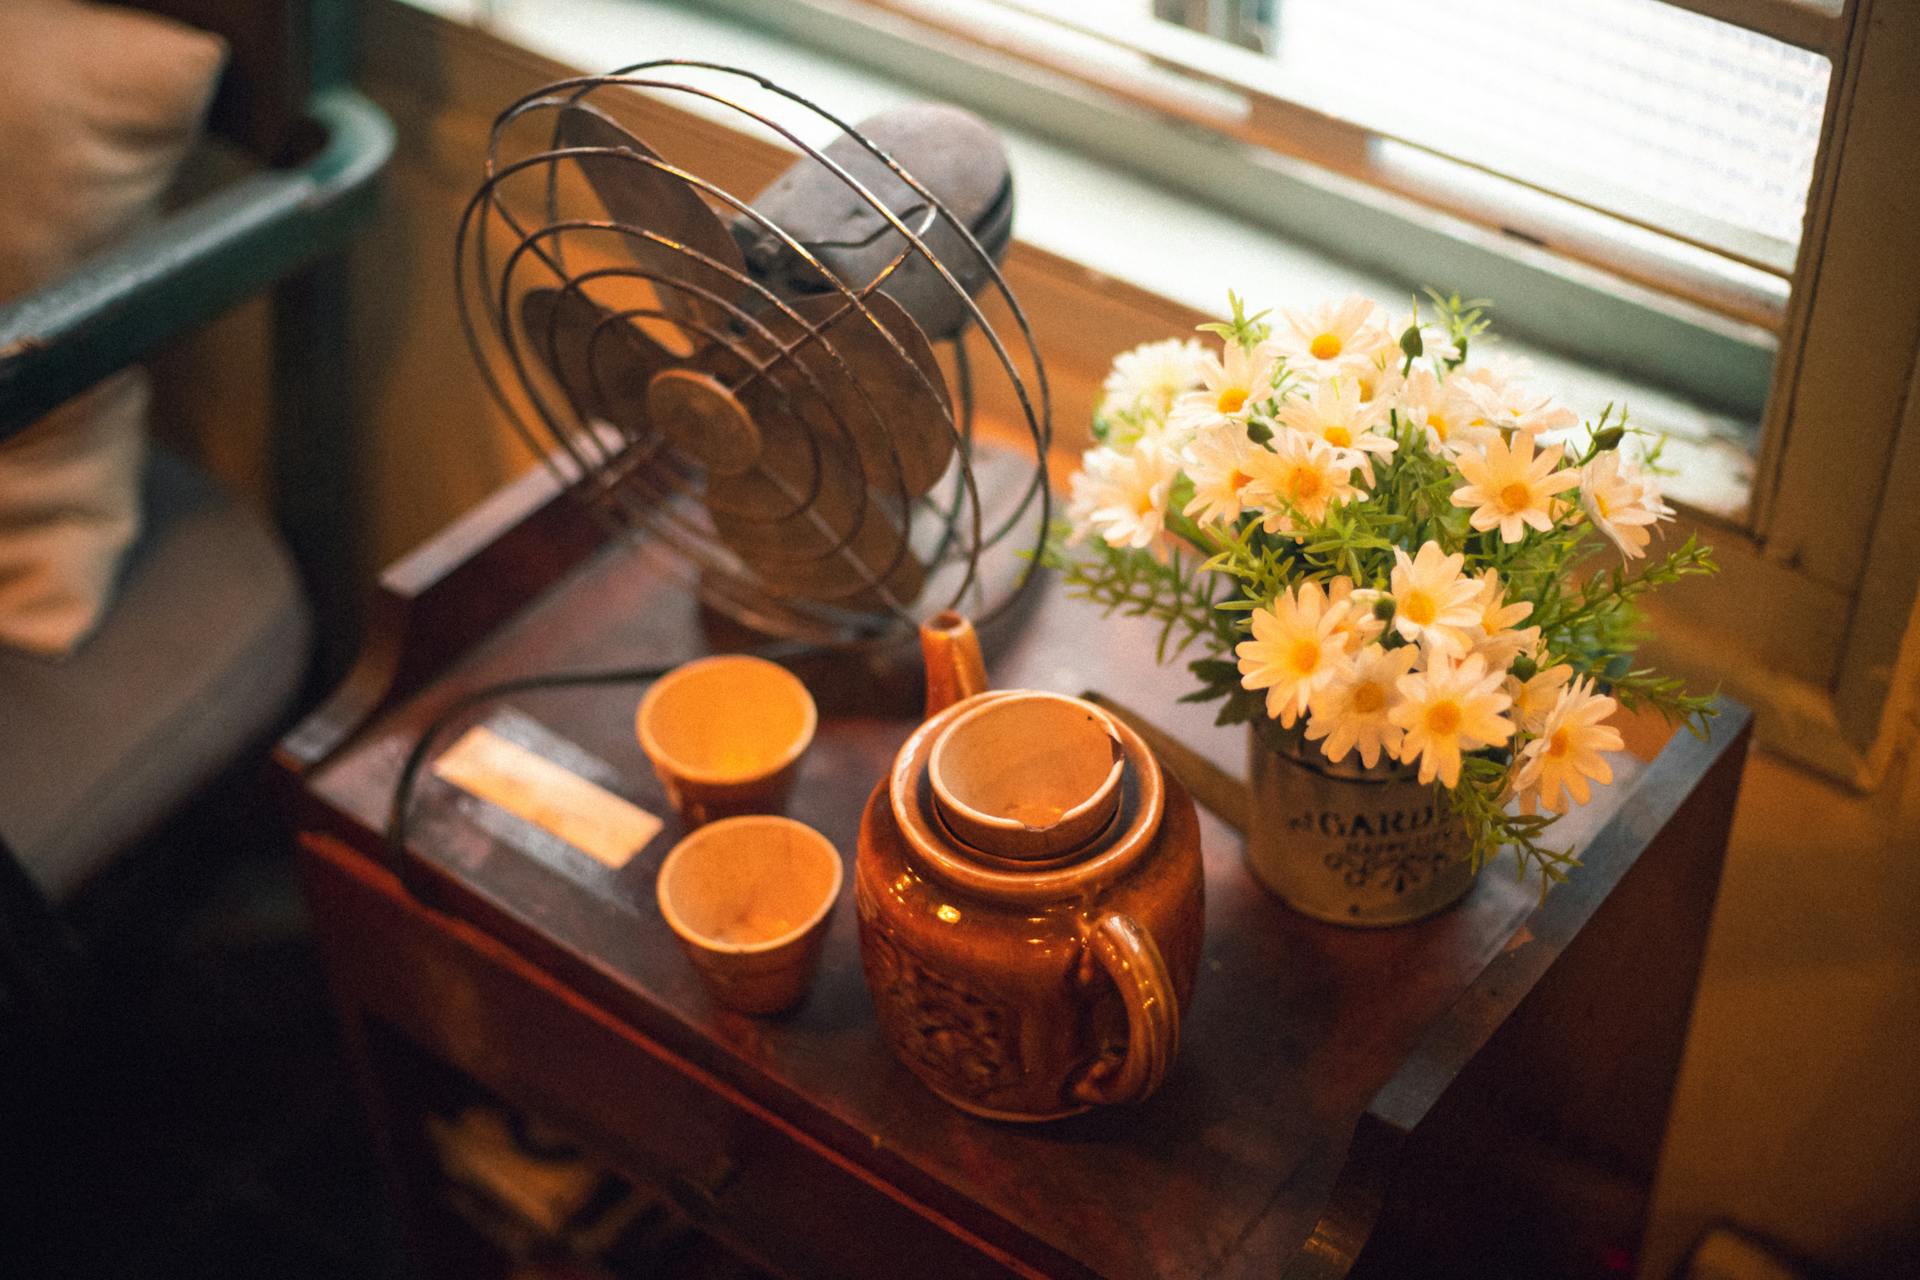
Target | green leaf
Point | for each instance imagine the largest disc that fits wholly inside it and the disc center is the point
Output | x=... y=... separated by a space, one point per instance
x=1245 y=706
x=1248 y=331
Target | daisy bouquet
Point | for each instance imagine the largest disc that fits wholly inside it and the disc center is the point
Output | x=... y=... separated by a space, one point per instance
x=1389 y=553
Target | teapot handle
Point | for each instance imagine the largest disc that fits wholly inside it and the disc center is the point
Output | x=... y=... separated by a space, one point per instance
x=1131 y=959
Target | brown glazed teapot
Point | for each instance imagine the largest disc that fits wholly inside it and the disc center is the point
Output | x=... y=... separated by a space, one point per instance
x=1029 y=892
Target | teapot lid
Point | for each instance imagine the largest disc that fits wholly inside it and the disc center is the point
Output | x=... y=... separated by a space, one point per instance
x=1106 y=770
x=1029 y=776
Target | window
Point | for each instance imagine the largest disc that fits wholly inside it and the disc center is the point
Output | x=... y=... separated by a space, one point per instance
x=1637 y=172
x=1661 y=120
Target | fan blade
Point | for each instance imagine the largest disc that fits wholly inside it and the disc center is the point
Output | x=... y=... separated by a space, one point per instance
x=812 y=555
x=640 y=196
x=604 y=365
x=897 y=412
x=805 y=522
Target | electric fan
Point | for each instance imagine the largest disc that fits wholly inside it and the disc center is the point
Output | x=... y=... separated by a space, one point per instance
x=753 y=382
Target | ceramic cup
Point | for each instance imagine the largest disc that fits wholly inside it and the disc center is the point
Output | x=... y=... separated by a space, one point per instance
x=749 y=898
x=1027 y=775
x=725 y=735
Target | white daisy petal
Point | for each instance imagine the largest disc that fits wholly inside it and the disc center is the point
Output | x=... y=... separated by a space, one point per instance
x=1622 y=502
x=1446 y=710
x=1566 y=754
x=1432 y=603
x=1298 y=479
x=1144 y=382
x=1510 y=488
x=1297 y=647
x=1353 y=710
x=1122 y=497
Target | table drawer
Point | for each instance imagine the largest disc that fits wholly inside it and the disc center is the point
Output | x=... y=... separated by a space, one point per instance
x=783 y=1199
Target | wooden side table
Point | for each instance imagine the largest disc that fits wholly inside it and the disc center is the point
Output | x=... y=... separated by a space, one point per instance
x=1483 y=1092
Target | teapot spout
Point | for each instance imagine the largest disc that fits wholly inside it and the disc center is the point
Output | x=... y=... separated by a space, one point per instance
x=951 y=649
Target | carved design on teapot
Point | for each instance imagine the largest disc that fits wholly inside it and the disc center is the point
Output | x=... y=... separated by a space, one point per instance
x=968 y=1040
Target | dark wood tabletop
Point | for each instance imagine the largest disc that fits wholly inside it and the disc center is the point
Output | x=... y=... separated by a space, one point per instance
x=1309 y=1053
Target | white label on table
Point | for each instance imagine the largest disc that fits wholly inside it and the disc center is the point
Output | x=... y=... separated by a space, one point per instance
x=528 y=785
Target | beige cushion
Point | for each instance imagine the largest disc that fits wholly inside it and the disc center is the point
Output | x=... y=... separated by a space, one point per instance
x=99 y=106
x=69 y=509
x=200 y=656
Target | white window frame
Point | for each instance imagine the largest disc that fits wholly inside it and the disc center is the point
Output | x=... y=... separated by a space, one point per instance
x=1139 y=94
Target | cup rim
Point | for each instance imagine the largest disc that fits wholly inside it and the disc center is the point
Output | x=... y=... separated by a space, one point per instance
x=1104 y=797
x=695 y=938
x=650 y=746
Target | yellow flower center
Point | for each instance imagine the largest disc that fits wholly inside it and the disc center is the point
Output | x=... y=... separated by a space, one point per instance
x=1305 y=484
x=1238 y=480
x=1232 y=400
x=1144 y=504
x=1419 y=608
x=1305 y=656
x=1325 y=346
x=1443 y=719
x=1368 y=698
x=1338 y=437
x=1516 y=497
x=1439 y=425
x=1600 y=504
x=1560 y=744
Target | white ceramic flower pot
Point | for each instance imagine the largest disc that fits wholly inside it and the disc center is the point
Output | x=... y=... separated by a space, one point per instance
x=1351 y=845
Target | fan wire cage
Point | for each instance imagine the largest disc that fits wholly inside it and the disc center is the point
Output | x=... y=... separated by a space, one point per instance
x=787 y=434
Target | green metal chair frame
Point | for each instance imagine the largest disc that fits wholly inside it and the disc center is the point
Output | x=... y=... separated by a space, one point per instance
x=285 y=229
